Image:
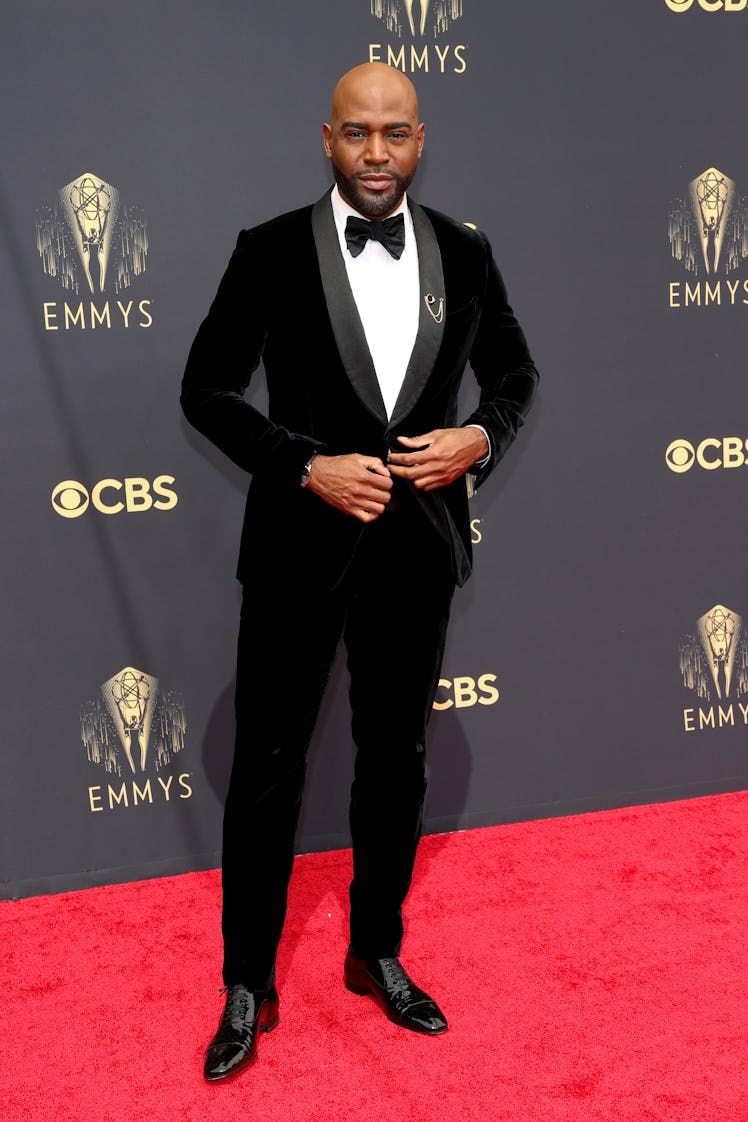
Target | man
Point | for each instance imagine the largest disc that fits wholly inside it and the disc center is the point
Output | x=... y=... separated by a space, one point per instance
x=365 y=309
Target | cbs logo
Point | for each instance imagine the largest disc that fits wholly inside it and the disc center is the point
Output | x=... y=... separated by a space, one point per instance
x=71 y=499
x=466 y=692
x=710 y=454
x=707 y=5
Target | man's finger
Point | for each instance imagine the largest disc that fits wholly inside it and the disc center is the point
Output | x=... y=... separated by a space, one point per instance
x=407 y=464
x=376 y=467
x=429 y=482
x=409 y=459
x=375 y=500
x=368 y=513
x=417 y=441
x=380 y=483
x=408 y=471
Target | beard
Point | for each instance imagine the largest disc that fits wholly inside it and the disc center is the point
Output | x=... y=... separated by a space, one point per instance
x=372 y=205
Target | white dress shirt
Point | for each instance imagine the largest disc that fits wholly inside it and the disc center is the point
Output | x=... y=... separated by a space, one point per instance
x=386 y=291
x=387 y=295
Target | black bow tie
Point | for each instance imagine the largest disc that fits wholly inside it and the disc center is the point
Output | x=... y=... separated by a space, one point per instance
x=390 y=233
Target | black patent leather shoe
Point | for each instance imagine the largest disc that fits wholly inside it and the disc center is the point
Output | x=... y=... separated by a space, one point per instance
x=247 y=1014
x=398 y=995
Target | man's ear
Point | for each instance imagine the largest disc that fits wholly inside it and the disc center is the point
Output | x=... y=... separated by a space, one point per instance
x=327 y=140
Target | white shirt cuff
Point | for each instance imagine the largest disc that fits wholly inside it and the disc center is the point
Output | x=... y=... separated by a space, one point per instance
x=484 y=460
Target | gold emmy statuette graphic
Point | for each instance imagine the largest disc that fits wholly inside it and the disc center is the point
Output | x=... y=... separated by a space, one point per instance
x=720 y=631
x=424 y=12
x=711 y=195
x=715 y=656
x=90 y=206
x=708 y=229
x=134 y=719
x=415 y=15
x=130 y=697
x=90 y=241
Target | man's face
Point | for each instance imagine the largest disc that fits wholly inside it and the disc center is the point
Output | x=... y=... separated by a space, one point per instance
x=374 y=140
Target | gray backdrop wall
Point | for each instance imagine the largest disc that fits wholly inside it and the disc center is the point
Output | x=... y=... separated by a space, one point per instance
x=598 y=656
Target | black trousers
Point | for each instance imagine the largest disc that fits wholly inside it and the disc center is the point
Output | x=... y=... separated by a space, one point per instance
x=391 y=608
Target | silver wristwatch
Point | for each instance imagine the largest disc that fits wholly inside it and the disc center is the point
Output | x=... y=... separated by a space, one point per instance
x=306 y=474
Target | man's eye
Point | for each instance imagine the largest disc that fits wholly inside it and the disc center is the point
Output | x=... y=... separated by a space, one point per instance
x=397 y=136
x=354 y=134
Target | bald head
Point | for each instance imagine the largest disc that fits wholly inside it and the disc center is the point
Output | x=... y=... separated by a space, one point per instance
x=374 y=138
x=374 y=83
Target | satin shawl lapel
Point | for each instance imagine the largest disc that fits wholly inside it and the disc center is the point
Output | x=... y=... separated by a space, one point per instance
x=430 y=319
x=341 y=308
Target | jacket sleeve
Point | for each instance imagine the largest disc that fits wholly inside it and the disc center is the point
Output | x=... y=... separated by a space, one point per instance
x=503 y=368
x=226 y=352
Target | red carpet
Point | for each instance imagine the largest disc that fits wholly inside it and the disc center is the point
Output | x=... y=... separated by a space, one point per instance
x=592 y=968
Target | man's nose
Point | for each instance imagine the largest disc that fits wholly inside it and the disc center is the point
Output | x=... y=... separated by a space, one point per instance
x=376 y=150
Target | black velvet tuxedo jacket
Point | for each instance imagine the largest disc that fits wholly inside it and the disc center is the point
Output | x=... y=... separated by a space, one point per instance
x=285 y=299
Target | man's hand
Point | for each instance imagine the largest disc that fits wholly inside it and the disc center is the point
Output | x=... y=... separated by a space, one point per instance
x=438 y=457
x=357 y=485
